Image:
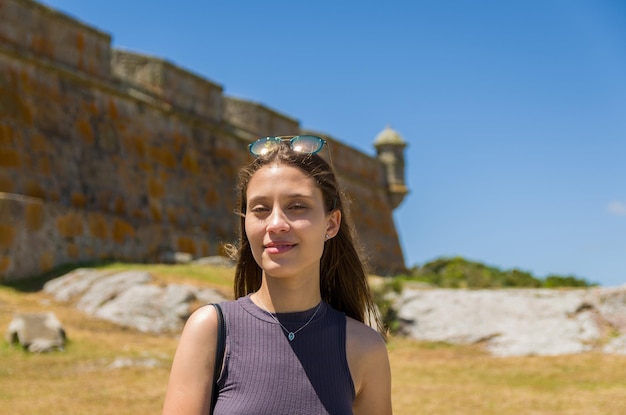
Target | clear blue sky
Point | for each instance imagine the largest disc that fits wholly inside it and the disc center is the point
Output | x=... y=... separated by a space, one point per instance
x=514 y=111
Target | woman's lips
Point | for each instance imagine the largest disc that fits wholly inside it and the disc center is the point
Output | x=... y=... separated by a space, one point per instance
x=278 y=247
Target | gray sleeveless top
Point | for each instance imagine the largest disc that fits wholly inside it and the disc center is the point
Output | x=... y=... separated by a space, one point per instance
x=266 y=374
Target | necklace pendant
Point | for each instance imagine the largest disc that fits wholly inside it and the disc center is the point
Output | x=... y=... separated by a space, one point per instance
x=291 y=336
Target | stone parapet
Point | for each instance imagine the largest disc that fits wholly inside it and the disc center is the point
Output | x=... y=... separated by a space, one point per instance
x=46 y=33
x=258 y=119
x=176 y=87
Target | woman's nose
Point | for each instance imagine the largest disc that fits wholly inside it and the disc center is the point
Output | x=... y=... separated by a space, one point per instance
x=277 y=221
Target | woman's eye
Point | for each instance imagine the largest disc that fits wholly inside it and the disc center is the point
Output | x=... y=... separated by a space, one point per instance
x=297 y=207
x=259 y=209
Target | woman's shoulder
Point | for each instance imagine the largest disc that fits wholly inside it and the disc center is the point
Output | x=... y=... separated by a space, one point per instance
x=369 y=365
x=363 y=339
x=202 y=320
x=208 y=311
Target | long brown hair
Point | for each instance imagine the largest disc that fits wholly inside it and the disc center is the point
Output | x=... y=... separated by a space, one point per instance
x=343 y=276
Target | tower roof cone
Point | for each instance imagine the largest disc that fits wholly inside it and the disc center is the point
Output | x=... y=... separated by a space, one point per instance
x=389 y=136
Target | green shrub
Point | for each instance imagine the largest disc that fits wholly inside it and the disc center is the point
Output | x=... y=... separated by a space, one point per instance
x=458 y=272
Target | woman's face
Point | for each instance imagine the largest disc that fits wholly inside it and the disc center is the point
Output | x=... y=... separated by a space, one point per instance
x=286 y=222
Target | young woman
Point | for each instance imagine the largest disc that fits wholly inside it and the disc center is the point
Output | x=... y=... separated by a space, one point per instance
x=297 y=342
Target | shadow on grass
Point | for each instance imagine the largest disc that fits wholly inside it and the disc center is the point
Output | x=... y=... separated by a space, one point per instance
x=36 y=283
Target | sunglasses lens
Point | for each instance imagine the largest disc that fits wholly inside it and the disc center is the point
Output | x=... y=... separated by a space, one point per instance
x=307 y=144
x=263 y=146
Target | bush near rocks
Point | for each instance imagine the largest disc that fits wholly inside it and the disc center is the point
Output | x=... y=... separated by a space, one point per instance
x=458 y=272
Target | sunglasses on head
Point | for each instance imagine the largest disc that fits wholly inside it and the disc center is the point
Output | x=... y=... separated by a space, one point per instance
x=307 y=144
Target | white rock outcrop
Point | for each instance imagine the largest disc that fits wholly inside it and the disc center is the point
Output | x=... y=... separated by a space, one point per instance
x=516 y=322
x=130 y=298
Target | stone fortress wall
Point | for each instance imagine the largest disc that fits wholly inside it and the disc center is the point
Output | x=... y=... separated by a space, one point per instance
x=107 y=154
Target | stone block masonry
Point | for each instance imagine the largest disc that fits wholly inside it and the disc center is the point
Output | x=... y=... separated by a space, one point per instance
x=108 y=154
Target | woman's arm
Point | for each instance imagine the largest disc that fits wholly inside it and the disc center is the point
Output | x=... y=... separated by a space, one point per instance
x=191 y=377
x=369 y=366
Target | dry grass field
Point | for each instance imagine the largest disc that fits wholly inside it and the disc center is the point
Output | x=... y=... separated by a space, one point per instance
x=106 y=370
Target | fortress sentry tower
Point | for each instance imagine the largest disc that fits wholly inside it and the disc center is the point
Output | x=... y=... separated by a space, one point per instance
x=390 y=149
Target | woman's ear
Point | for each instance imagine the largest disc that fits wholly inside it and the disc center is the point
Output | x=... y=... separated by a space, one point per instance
x=334 y=221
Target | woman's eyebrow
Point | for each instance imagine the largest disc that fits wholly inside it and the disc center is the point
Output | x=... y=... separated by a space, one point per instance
x=290 y=196
x=256 y=199
x=299 y=196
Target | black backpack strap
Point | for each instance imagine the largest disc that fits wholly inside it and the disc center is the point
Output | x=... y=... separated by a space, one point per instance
x=219 y=353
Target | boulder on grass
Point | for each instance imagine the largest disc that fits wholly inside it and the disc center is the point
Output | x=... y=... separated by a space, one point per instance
x=36 y=332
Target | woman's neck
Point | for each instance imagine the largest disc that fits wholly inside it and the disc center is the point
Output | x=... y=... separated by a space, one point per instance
x=282 y=296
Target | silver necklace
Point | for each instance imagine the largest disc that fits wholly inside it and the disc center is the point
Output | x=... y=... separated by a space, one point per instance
x=290 y=334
